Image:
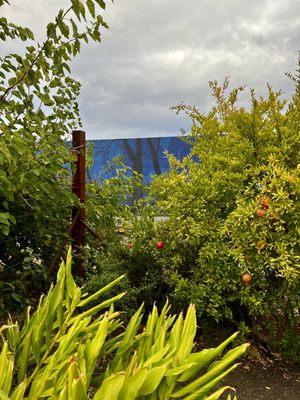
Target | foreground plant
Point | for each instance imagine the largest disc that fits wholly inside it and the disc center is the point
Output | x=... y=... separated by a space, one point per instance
x=38 y=110
x=67 y=350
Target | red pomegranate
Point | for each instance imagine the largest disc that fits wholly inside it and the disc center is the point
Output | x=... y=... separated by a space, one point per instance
x=130 y=245
x=160 y=245
x=260 y=213
x=265 y=202
x=246 y=278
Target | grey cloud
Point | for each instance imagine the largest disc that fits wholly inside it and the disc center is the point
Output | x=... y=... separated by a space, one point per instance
x=158 y=53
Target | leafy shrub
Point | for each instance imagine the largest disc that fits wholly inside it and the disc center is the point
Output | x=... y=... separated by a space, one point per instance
x=102 y=266
x=62 y=352
x=143 y=262
x=38 y=110
x=232 y=234
x=22 y=282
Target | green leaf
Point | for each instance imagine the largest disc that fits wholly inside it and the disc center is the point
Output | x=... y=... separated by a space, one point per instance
x=51 y=30
x=91 y=6
x=101 y=3
x=64 y=29
x=76 y=7
x=153 y=379
x=55 y=82
x=111 y=387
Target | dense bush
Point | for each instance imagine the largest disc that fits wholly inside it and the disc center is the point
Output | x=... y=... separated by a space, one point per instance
x=69 y=350
x=232 y=234
x=38 y=110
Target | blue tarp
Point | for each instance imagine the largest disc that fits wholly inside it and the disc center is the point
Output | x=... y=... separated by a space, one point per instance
x=146 y=156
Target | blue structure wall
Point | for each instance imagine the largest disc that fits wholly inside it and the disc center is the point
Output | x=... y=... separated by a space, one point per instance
x=147 y=156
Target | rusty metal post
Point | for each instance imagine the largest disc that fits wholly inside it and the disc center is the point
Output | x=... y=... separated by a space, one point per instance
x=78 y=188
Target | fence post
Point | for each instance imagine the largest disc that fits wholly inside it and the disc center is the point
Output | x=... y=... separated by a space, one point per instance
x=78 y=188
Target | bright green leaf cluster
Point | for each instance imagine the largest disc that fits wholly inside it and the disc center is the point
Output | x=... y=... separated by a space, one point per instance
x=62 y=352
x=233 y=209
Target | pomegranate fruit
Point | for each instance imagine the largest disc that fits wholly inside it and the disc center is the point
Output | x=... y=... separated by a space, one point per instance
x=160 y=245
x=246 y=278
x=265 y=202
x=260 y=213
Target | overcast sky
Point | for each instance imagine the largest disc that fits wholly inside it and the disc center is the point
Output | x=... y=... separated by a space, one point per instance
x=158 y=53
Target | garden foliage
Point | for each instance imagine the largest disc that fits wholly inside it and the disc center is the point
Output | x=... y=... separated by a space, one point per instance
x=67 y=349
x=38 y=110
x=232 y=237
x=233 y=214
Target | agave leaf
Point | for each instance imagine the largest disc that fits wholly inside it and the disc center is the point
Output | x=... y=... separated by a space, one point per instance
x=158 y=356
x=99 y=307
x=4 y=327
x=128 y=338
x=188 y=334
x=163 y=390
x=179 y=370
x=70 y=283
x=66 y=346
x=161 y=320
x=133 y=384
x=38 y=334
x=23 y=358
x=218 y=393
x=153 y=379
x=3 y=363
x=12 y=334
x=176 y=335
x=64 y=394
x=70 y=340
x=81 y=360
x=19 y=392
x=113 y=343
x=99 y=338
x=167 y=360
x=133 y=324
x=170 y=321
x=217 y=370
x=37 y=388
x=95 y=347
x=73 y=373
x=56 y=302
x=132 y=366
x=193 y=391
x=150 y=330
x=111 y=387
x=3 y=395
x=58 y=374
x=8 y=376
x=96 y=295
x=204 y=358
x=79 y=391
x=230 y=398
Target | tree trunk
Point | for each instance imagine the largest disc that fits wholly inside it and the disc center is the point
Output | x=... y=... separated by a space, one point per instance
x=154 y=154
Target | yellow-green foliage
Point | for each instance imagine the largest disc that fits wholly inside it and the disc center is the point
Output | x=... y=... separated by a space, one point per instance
x=62 y=352
x=219 y=227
